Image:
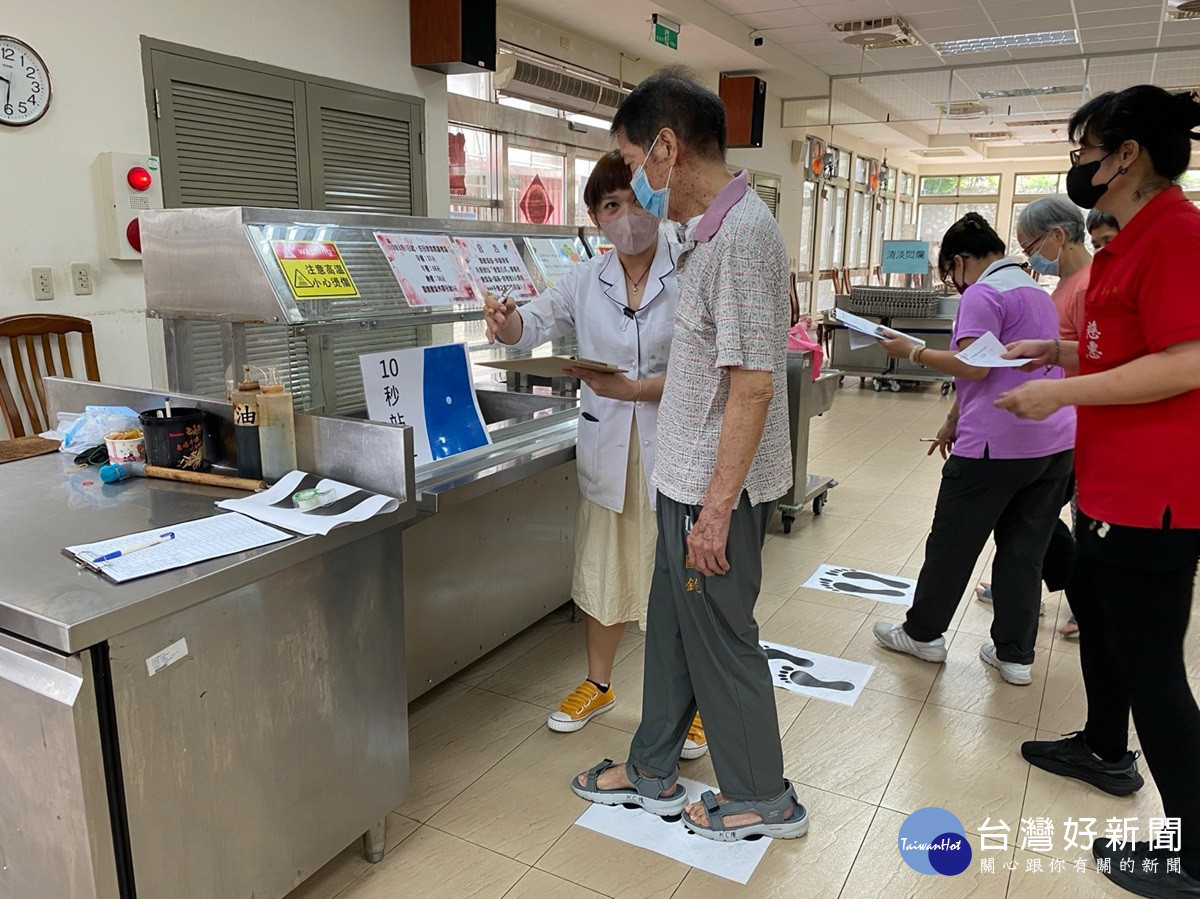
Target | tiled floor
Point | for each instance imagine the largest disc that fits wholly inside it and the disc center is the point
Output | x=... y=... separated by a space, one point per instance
x=490 y=813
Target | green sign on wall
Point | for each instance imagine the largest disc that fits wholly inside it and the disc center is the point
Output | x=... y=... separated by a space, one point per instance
x=665 y=36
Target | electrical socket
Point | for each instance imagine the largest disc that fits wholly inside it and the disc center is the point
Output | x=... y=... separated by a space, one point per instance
x=43 y=282
x=81 y=279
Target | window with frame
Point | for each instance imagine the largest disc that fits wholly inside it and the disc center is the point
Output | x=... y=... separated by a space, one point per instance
x=535 y=186
x=475 y=156
x=944 y=199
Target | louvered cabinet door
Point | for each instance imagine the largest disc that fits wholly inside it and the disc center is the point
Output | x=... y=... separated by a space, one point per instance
x=768 y=192
x=230 y=136
x=366 y=153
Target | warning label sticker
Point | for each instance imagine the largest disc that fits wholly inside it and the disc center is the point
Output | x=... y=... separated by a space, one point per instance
x=314 y=269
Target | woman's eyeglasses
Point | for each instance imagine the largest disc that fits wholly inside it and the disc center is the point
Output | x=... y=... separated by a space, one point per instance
x=1076 y=154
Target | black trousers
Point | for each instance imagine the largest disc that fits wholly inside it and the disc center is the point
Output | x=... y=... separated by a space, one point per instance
x=1056 y=566
x=1132 y=623
x=1019 y=500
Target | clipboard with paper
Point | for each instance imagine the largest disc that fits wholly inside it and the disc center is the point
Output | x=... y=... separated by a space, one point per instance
x=551 y=366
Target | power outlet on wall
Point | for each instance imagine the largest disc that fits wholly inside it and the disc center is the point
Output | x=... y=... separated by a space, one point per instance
x=43 y=282
x=81 y=279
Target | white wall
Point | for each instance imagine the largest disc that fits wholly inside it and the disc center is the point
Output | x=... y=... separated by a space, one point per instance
x=92 y=50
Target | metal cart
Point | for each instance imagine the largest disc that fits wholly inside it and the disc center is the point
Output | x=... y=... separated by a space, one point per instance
x=806 y=399
x=917 y=311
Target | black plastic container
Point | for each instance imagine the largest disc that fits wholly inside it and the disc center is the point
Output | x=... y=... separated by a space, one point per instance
x=175 y=442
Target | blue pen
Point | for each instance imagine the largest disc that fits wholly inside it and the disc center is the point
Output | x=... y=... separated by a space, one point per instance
x=116 y=554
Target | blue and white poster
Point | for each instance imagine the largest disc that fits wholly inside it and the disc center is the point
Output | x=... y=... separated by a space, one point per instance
x=430 y=389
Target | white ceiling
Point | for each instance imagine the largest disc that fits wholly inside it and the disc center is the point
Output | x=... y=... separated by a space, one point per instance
x=894 y=96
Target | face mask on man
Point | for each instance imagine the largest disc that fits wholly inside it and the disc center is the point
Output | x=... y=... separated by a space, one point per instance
x=1080 y=189
x=631 y=233
x=653 y=201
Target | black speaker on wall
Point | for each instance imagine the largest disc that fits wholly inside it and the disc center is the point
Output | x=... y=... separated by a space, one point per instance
x=745 y=99
x=453 y=37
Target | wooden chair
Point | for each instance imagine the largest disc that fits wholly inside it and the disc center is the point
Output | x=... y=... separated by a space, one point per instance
x=24 y=331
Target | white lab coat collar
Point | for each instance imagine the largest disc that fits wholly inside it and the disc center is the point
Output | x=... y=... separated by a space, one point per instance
x=1006 y=274
x=661 y=267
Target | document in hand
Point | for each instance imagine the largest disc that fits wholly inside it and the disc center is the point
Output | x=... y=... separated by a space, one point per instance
x=988 y=352
x=870 y=328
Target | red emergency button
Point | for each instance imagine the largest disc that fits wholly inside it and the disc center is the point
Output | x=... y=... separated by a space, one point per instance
x=139 y=178
x=133 y=234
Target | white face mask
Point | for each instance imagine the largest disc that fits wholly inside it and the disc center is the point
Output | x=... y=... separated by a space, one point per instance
x=631 y=233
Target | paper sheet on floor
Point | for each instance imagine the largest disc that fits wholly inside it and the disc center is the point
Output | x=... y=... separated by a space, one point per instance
x=863 y=584
x=732 y=861
x=815 y=675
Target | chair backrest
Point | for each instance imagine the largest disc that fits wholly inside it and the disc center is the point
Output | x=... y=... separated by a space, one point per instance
x=25 y=334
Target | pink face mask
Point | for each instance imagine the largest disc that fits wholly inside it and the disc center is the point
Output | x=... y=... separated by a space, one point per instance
x=631 y=233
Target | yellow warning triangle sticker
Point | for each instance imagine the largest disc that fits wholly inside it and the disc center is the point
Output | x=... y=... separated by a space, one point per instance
x=299 y=281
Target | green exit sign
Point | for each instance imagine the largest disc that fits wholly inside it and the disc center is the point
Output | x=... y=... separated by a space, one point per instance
x=665 y=36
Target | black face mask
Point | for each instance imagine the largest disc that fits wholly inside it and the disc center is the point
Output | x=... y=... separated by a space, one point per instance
x=1080 y=189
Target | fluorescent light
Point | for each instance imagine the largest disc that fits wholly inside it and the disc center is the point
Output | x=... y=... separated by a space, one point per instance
x=1031 y=92
x=1007 y=41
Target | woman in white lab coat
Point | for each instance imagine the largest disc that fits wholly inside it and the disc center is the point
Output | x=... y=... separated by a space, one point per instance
x=621 y=308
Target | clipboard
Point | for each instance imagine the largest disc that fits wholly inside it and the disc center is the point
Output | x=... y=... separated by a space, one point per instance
x=552 y=366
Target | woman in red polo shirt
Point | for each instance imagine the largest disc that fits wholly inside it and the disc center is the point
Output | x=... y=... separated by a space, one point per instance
x=1136 y=462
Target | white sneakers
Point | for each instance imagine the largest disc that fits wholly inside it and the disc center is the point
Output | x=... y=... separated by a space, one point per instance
x=891 y=635
x=1013 y=672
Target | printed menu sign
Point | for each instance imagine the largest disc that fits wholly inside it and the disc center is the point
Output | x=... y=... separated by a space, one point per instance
x=497 y=266
x=428 y=269
x=553 y=257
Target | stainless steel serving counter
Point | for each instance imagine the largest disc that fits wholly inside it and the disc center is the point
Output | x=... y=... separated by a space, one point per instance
x=276 y=737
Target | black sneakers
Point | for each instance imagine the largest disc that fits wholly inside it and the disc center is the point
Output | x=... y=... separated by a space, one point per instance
x=1072 y=758
x=1144 y=871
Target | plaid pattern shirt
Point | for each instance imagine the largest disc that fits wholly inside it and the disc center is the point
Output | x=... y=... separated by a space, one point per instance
x=733 y=312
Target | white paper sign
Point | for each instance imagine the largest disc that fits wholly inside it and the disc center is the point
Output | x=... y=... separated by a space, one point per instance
x=988 y=352
x=430 y=389
x=345 y=504
x=812 y=674
x=428 y=269
x=637 y=827
x=863 y=584
x=497 y=266
x=168 y=656
x=554 y=258
x=870 y=328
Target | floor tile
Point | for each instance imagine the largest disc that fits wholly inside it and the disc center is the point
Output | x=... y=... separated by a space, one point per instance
x=881 y=541
x=970 y=685
x=850 y=750
x=1064 y=705
x=1037 y=876
x=451 y=748
x=433 y=865
x=895 y=672
x=540 y=885
x=513 y=649
x=814 y=865
x=341 y=871
x=522 y=805
x=965 y=763
x=611 y=867
x=812 y=626
x=881 y=479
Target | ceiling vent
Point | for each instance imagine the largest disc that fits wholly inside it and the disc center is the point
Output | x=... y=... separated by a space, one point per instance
x=540 y=83
x=1036 y=123
x=962 y=109
x=877 y=34
x=1187 y=9
x=991 y=137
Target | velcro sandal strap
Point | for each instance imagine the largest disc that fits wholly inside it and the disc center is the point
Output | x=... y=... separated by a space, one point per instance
x=595 y=771
x=650 y=787
x=710 y=803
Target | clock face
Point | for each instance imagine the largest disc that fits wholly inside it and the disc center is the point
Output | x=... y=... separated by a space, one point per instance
x=24 y=83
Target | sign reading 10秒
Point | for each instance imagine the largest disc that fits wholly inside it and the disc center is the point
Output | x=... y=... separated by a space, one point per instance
x=905 y=257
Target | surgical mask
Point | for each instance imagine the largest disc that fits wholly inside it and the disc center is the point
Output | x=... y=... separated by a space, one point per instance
x=1080 y=189
x=1044 y=266
x=631 y=233
x=653 y=201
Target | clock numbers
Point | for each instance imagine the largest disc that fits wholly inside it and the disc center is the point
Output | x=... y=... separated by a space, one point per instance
x=24 y=83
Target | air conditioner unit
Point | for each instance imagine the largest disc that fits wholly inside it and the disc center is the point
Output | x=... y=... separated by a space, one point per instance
x=539 y=83
x=962 y=109
x=877 y=34
x=990 y=137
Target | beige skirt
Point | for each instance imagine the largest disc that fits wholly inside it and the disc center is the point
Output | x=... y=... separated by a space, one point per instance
x=614 y=552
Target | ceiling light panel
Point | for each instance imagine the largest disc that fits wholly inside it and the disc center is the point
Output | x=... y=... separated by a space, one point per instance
x=1031 y=92
x=1007 y=42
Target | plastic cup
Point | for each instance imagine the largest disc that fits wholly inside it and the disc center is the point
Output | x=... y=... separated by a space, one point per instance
x=131 y=449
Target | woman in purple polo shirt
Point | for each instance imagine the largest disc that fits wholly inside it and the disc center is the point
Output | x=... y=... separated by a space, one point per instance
x=1003 y=474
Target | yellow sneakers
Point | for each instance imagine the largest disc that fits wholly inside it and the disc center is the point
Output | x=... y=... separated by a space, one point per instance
x=585 y=702
x=696 y=743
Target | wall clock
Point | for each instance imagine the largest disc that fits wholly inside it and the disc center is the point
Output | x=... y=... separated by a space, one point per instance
x=24 y=83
